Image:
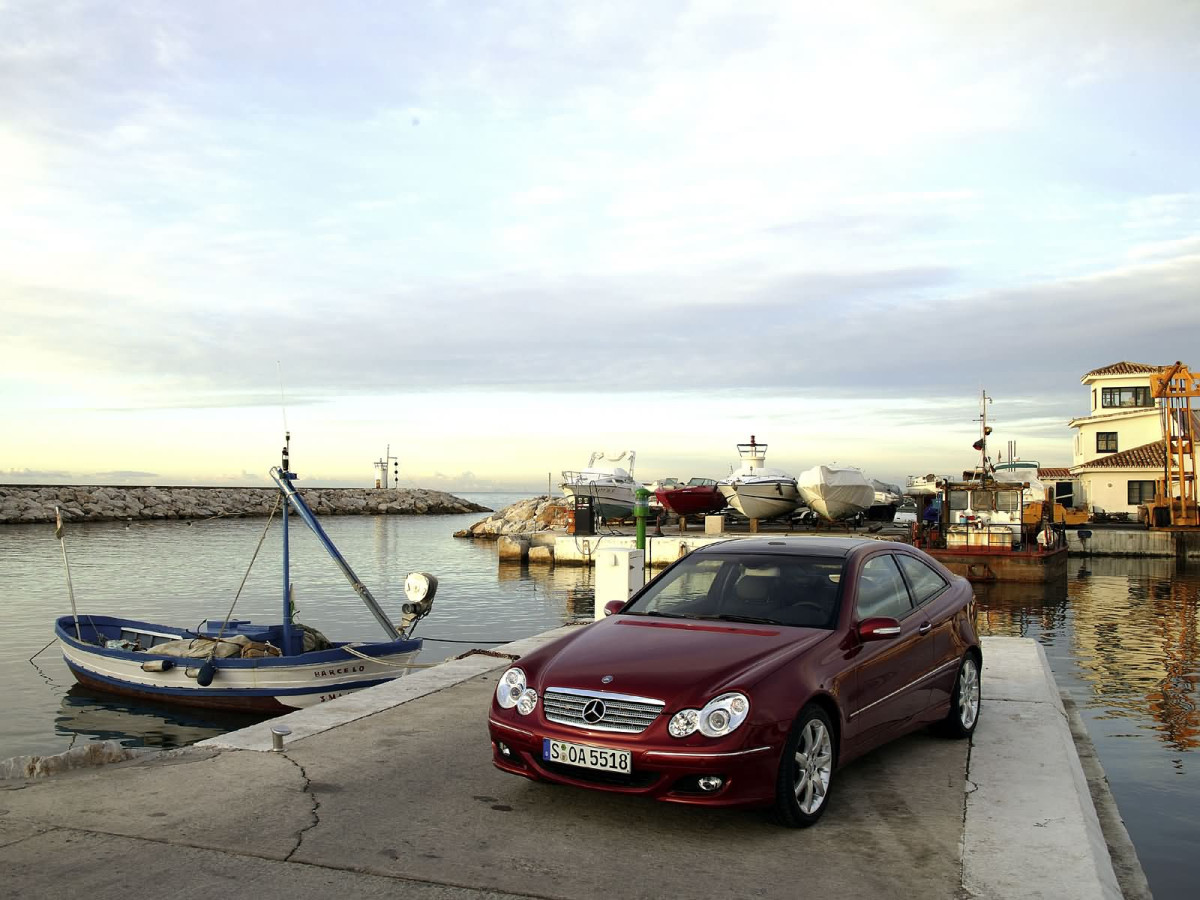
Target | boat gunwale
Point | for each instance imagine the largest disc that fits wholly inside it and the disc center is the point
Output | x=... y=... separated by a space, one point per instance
x=335 y=653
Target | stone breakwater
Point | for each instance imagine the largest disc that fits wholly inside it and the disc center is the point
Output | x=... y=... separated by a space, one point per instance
x=105 y=503
x=523 y=517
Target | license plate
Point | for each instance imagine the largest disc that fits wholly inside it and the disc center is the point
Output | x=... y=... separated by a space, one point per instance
x=601 y=758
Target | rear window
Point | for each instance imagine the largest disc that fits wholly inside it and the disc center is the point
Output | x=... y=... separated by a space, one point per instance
x=923 y=581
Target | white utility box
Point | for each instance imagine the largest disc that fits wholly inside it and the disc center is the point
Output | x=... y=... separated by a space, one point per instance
x=620 y=572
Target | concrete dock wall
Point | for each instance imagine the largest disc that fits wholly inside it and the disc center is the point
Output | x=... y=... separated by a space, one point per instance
x=1125 y=542
x=574 y=550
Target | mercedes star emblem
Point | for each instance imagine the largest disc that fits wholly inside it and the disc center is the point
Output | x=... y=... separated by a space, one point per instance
x=593 y=712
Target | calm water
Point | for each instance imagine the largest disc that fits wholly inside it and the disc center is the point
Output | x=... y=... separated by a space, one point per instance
x=1121 y=636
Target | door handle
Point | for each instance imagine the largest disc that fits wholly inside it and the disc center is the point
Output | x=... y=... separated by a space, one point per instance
x=924 y=629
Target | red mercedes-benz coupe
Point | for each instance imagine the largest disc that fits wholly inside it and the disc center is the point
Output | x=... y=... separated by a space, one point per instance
x=746 y=674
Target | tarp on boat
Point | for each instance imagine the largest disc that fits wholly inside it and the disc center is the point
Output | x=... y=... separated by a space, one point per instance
x=234 y=646
x=835 y=492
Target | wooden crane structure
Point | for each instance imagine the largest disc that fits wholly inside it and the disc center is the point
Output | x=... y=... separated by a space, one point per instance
x=1175 y=503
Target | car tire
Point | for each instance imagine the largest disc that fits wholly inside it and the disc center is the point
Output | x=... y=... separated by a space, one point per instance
x=805 y=769
x=965 y=701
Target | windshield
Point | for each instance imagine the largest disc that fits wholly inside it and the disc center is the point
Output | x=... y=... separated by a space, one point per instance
x=801 y=591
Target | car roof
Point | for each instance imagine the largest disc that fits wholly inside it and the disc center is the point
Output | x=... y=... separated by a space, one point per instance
x=815 y=545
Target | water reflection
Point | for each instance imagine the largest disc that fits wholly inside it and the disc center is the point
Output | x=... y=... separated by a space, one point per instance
x=1021 y=610
x=93 y=715
x=1130 y=627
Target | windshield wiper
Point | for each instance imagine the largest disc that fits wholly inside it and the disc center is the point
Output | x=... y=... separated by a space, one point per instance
x=660 y=615
x=753 y=620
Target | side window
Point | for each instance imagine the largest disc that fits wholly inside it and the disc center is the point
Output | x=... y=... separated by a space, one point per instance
x=923 y=581
x=881 y=590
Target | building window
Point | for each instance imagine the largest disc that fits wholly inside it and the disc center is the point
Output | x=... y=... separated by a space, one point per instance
x=1140 y=492
x=1093 y=399
x=1106 y=442
x=1064 y=493
x=1125 y=397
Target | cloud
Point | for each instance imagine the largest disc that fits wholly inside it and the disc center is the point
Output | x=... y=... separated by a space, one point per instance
x=766 y=200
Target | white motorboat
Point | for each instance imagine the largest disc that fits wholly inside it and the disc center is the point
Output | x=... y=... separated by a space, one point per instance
x=922 y=485
x=836 y=492
x=886 y=494
x=611 y=488
x=757 y=491
x=887 y=499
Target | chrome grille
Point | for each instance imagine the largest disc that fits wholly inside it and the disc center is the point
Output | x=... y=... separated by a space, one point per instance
x=623 y=713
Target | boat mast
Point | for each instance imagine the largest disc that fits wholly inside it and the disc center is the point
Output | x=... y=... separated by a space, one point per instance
x=288 y=650
x=284 y=479
x=984 y=431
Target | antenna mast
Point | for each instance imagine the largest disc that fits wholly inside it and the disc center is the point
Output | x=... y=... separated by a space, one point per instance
x=381 y=469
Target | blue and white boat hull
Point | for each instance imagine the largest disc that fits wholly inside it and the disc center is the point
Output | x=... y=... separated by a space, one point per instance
x=266 y=684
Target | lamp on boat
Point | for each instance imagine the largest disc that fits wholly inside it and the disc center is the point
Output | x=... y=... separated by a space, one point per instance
x=419 y=587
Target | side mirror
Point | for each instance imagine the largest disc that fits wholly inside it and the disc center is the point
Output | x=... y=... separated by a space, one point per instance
x=878 y=628
x=613 y=606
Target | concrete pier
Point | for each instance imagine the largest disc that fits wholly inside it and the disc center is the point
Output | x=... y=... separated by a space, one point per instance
x=391 y=791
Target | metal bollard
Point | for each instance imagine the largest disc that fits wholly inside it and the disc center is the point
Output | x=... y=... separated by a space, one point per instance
x=278 y=733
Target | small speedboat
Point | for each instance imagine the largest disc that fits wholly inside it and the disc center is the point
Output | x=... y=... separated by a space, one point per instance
x=756 y=491
x=698 y=497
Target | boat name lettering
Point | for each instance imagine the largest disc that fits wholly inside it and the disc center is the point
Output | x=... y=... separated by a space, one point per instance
x=344 y=670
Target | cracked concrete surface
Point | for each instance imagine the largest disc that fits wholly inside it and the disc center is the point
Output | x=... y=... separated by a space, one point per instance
x=316 y=806
x=400 y=797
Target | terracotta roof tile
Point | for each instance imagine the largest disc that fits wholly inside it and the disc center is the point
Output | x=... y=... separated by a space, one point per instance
x=1054 y=472
x=1125 y=368
x=1147 y=456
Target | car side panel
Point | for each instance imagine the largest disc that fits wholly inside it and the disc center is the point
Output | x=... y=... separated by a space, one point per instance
x=889 y=688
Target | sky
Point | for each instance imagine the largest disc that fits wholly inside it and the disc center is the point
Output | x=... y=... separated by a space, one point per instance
x=491 y=238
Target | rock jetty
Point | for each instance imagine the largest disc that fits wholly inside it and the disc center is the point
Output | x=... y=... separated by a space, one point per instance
x=101 y=503
x=536 y=514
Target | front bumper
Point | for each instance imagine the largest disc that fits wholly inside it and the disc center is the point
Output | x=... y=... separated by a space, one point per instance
x=660 y=770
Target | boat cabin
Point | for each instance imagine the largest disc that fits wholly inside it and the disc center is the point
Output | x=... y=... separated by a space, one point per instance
x=983 y=513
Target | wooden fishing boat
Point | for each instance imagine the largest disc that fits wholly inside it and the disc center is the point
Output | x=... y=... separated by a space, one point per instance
x=236 y=664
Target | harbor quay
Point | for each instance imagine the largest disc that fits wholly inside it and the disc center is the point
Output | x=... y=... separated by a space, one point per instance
x=663 y=549
x=391 y=791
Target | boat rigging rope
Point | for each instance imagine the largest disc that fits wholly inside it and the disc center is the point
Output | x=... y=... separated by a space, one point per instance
x=262 y=538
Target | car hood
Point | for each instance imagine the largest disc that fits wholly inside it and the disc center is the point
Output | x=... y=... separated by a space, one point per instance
x=670 y=658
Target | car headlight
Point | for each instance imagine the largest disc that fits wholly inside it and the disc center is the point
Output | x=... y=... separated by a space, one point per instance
x=719 y=717
x=510 y=688
x=514 y=691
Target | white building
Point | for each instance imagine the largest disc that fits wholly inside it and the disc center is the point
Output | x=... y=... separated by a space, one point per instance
x=1118 y=453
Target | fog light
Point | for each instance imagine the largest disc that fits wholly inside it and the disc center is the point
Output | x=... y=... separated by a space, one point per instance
x=503 y=748
x=710 y=783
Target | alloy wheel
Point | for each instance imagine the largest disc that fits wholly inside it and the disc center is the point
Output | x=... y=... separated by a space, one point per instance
x=813 y=766
x=968 y=694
